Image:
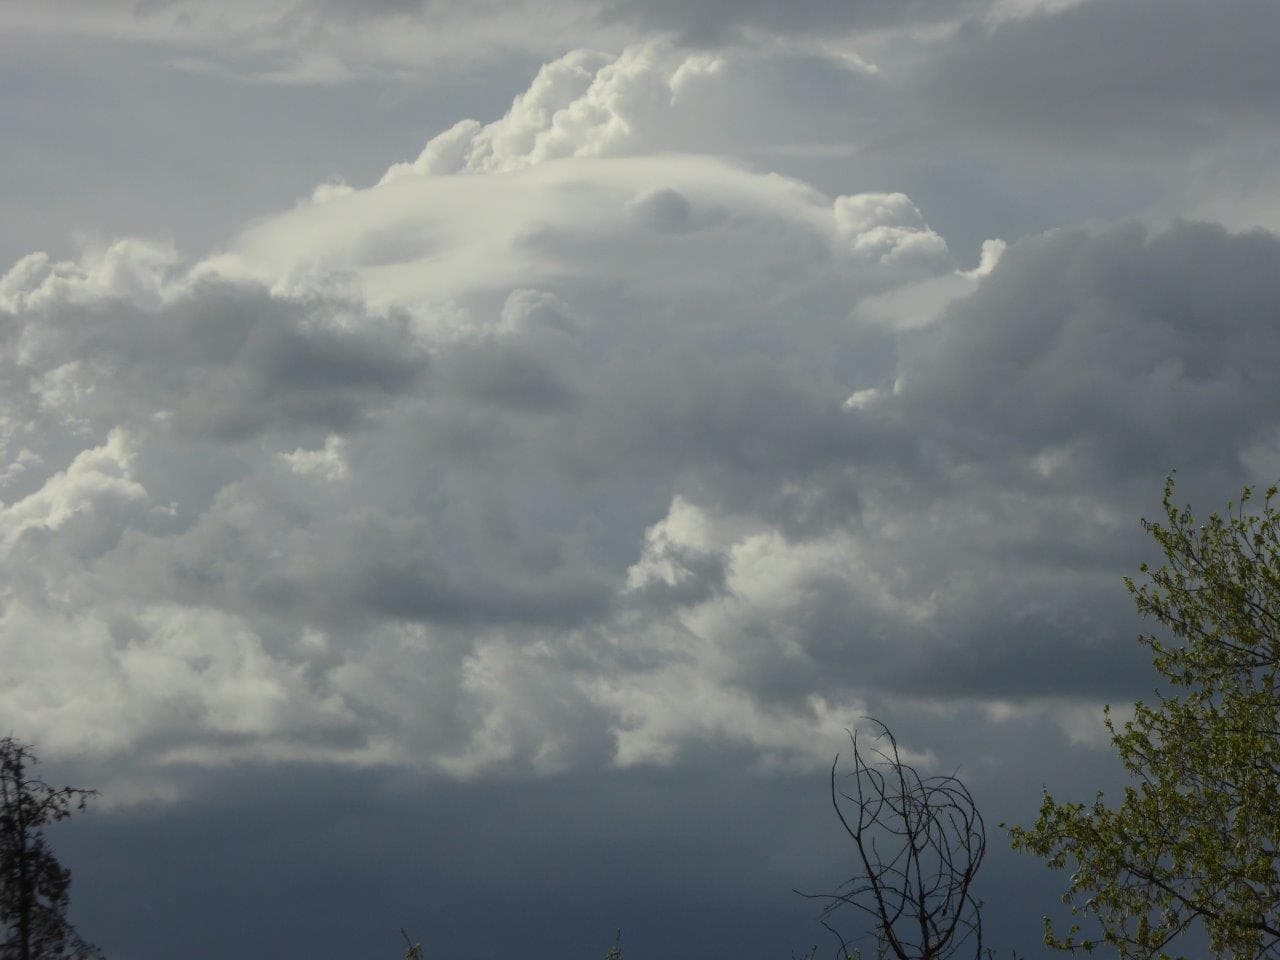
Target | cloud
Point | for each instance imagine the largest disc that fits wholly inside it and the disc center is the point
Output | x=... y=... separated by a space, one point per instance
x=127 y=269
x=97 y=478
x=321 y=42
x=570 y=444
x=888 y=228
x=654 y=96
x=1075 y=80
x=719 y=21
x=1125 y=351
x=101 y=336
x=327 y=463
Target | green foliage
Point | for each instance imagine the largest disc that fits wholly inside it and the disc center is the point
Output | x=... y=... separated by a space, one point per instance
x=1194 y=839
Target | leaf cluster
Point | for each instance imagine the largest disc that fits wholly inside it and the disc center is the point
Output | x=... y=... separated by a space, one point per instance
x=1194 y=839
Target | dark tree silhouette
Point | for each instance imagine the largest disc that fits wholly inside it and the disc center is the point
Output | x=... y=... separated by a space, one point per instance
x=919 y=842
x=34 y=887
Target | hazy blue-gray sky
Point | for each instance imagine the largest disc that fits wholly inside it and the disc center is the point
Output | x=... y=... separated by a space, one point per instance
x=463 y=466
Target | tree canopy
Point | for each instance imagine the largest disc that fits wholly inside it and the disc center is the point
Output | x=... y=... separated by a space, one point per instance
x=1194 y=841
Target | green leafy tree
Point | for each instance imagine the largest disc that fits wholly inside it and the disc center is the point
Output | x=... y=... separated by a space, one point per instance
x=34 y=886
x=1195 y=839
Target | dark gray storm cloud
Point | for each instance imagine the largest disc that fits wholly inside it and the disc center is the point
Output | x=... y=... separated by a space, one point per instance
x=225 y=361
x=684 y=865
x=1111 y=77
x=698 y=21
x=715 y=21
x=1126 y=352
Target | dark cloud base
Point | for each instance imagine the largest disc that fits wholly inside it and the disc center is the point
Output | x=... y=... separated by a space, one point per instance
x=689 y=863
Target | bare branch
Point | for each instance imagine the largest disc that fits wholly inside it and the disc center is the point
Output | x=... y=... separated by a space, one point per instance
x=919 y=843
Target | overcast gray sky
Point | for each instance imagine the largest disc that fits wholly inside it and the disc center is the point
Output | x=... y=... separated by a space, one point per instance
x=463 y=466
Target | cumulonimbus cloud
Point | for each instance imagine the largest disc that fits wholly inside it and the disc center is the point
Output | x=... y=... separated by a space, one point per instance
x=562 y=446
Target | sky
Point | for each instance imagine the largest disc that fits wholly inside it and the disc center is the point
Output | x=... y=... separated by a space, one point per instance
x=465 y=467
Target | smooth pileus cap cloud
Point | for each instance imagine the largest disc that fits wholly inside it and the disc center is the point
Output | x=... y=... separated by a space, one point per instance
x=570 y=443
